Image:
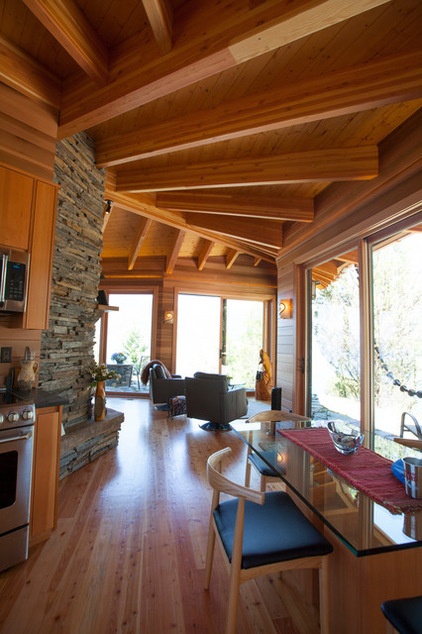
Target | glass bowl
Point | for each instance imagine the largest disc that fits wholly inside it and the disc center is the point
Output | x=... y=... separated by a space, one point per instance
x=345 y=439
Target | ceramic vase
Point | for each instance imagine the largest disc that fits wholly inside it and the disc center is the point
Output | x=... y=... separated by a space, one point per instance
x=100 y=401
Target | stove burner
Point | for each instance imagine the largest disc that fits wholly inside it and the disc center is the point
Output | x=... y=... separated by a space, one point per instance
x=16 y=410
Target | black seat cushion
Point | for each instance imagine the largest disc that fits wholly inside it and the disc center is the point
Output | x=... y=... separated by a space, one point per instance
x=404 y=614
x=275 y=531
x=262 y=466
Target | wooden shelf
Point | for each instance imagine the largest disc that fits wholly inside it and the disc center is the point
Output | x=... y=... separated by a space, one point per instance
x=106 y=308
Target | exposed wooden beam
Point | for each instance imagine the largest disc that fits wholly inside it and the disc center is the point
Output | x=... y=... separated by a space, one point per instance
x=341 y=164
x=69 y=26
x=172 y=257
x=143 y=205
x=234 y=204
x=296 y=25
x=26 y=76
x=138 y=77
x=252 y=229
x=143 y=226
x=160 y=17
x=204 y=253
x=384 y=82
x=231 y=258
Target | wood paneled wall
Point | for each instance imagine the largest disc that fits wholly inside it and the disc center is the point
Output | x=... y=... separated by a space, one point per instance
x=28 y=133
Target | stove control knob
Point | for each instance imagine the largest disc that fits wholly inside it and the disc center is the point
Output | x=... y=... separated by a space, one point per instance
x=13 y=417
x=1 y=419
x=27 y=414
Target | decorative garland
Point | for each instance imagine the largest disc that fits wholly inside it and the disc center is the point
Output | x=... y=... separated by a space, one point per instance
x=396 y=382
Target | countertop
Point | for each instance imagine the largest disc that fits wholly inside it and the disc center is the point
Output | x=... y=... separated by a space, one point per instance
x=43 y=398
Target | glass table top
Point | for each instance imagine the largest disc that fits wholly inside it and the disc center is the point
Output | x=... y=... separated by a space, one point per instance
x=364 y=526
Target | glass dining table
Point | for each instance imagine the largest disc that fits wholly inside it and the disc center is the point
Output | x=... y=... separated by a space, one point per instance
x=377 y=554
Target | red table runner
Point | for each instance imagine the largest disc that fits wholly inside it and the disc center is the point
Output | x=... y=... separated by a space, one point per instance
x=365 y=470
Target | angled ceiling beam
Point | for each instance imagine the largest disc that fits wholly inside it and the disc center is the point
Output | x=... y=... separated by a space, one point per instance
x=384 y=82
x=204 y=253
x=172 y=257
x=231 y=258
x=160 y=17
x=252 y=230
x=143 y=205
x=342 y=164
x=138 y=77
x=234 y=204
x=143 y=227
x=23 y=74
x=69 y=26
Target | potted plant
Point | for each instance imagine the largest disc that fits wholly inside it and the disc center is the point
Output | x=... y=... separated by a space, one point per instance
x=118 y=357
x=99 y=375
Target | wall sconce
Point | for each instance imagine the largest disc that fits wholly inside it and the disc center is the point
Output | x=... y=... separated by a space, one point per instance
x=285 y=308
x=107 y=207
x=168 y=316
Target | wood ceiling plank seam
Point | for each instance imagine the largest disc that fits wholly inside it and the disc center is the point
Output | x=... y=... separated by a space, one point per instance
x=372 y=35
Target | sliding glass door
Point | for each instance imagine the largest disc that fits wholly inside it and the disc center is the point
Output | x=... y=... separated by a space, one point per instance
x=198 y=334
x=219 y=335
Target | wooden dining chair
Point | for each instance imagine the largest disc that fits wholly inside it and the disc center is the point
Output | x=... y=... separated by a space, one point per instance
x=403 y=615
x=261 y=533
x=266 y=473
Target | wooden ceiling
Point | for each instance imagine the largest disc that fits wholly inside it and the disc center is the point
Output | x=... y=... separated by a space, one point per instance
x=218 y=122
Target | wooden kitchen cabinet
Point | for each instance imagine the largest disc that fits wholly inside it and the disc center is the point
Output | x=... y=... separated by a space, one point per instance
x=27 y=222
x=41 y=251
x=16 y=192
x=45 y=476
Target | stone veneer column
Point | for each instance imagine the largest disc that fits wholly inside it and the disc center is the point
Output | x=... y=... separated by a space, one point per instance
x=67 y=346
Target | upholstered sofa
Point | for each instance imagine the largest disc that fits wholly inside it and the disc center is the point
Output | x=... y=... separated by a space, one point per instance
x=210 y=398
x=162 y=388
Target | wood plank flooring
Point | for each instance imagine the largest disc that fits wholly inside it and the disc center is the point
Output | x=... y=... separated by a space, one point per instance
x=128 y=553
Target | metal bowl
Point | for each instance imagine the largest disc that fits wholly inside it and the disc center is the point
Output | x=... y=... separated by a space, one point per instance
x=345 y=439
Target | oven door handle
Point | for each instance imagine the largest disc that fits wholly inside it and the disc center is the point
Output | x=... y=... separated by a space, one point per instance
x=14 y=438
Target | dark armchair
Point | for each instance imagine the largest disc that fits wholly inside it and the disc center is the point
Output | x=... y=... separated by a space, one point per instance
x=161 y=387
x=209 y=397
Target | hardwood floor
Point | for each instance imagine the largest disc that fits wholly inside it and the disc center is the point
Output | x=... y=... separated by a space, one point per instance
x=128 y=552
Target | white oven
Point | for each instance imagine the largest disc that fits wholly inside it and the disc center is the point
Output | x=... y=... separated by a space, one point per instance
x=16 y=451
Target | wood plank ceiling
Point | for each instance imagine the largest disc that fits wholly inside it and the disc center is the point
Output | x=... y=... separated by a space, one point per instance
x=218 y=122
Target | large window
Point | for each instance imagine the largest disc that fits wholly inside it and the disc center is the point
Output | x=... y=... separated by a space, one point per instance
x=397 y=321
x=335 y=353
x=128 y=332
x=365 y=349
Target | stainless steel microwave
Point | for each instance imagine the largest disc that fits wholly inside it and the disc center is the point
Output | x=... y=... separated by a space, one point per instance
x=14 y=269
